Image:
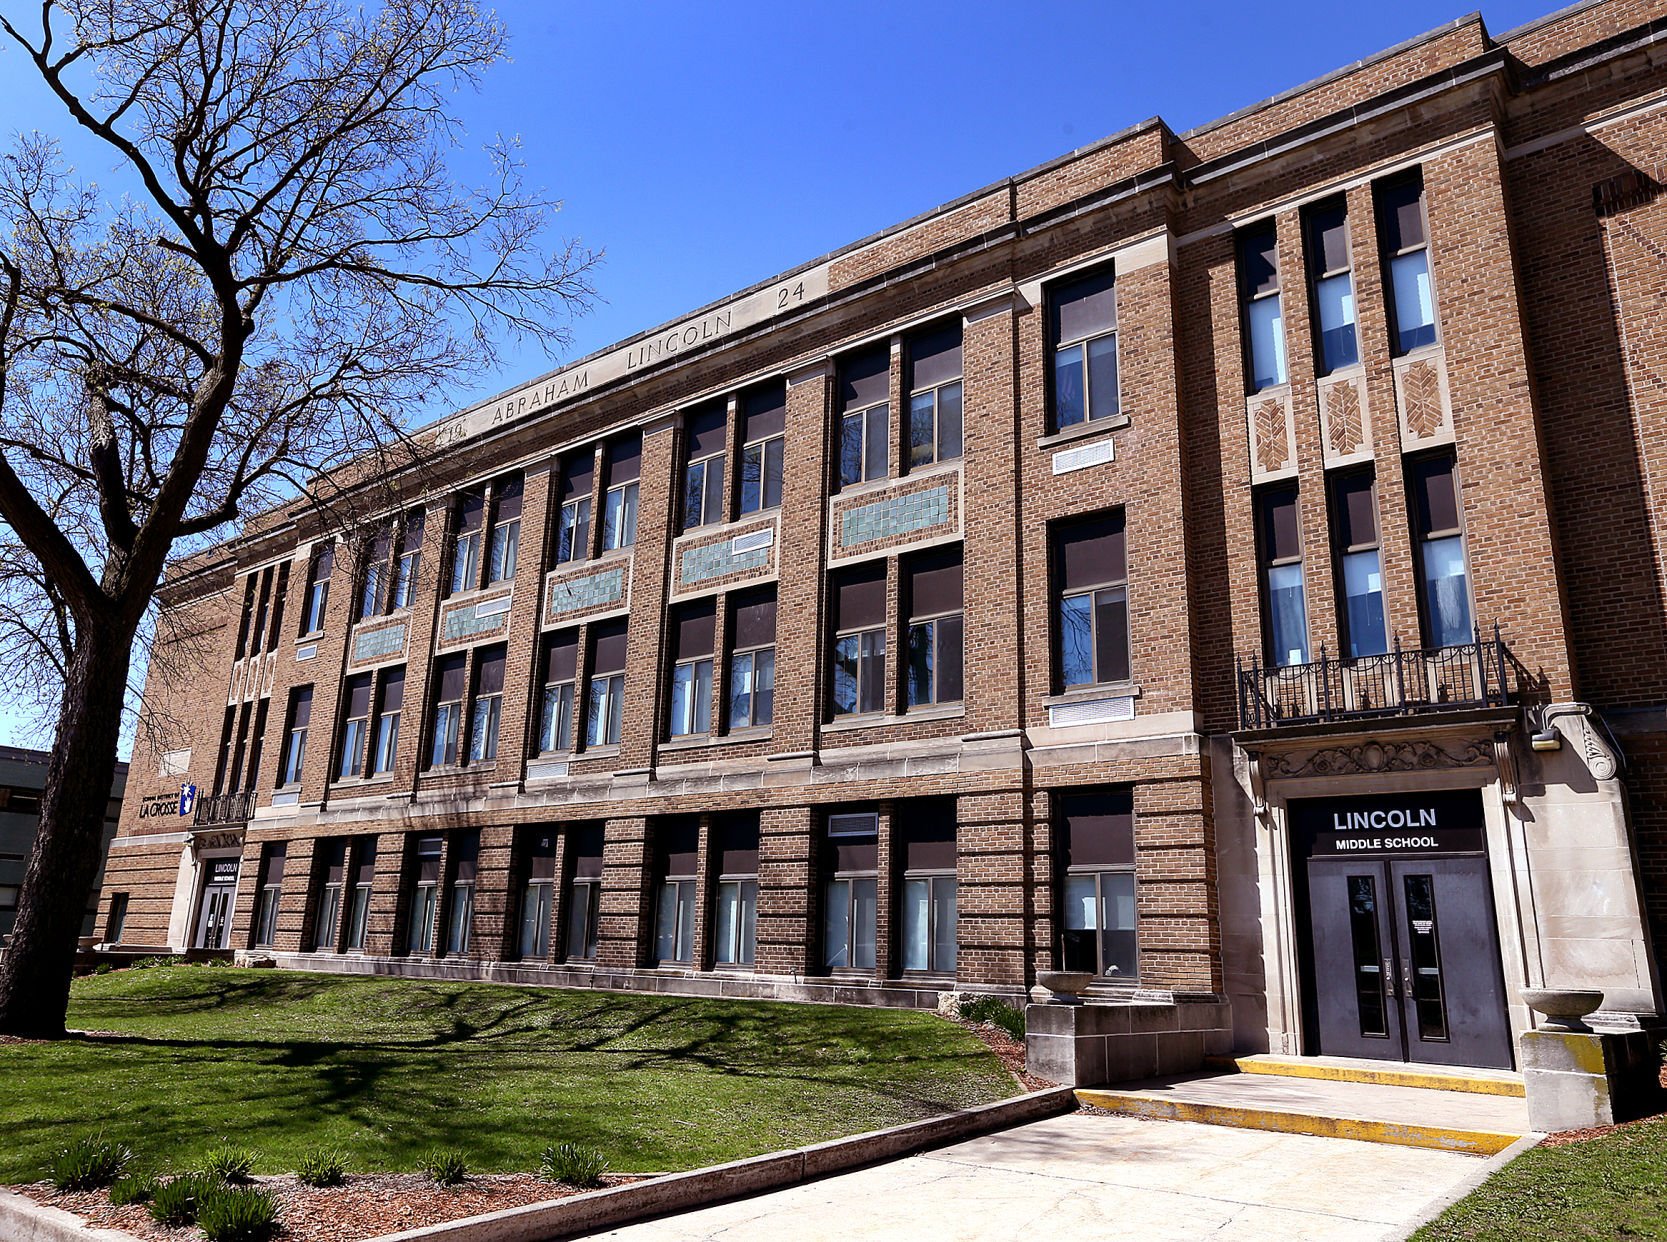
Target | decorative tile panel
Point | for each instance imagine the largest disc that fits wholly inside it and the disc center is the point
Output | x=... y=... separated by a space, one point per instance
x=1273 y=441
x=1423 y=400
x=381 y=643
x=709 y=560
x=474 y=619
x=915 y=509
x=1345 y=426
x=584 y=591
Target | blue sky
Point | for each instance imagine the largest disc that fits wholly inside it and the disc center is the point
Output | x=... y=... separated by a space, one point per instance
x=705 y=147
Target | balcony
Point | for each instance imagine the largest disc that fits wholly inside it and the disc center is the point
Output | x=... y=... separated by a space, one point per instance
x=1401 y=682
x=228 y=808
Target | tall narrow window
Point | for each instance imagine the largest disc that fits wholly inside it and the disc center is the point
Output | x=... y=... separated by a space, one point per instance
x=932 y=590
x=605 y=708
x=578 y=469
x=850 y=861
x=928 y=908
x=1403 y=240
x=504 y=541
x=735 y=930
x=1354 y=535
x=358 y=911
x=859 y=640
x=763 y=424
x=691 y=672
x=488 y=709
x=538 y=850
x=251 y=584
x=619 y=506
x=470 y=517
x=447 y=728
x=319 y=569
x=864 y=416
x=584 y=891
x=1092 y=620
x=295 y=739
x=1264 y=320
x=460 y=901
x=384 y=742
x=935 y=396
x=116 y=921
x=1444 y=567
x=332 y=876
x=678 y=847
x=561 y=666
x=752 y=659
x=410 y=559
x=1326 y=238
x=258 y=631
x=374 y=581
x=703 y=477
x=1279 y=536
x=425 y=894
x=271 y=891
x=1097 y=858
x=355 y=726
x=1083 y=324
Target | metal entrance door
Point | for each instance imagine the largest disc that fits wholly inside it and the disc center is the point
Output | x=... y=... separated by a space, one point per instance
x=1406 y=960
x=214 y=914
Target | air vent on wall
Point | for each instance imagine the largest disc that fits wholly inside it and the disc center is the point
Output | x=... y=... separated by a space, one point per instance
x=752 y=541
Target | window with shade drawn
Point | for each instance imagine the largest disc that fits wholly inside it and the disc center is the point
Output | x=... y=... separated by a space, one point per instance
x=468 y=535
x=584 y=892
x=693 y=631
x=1091 y=614
x=735 y=922
x=1443 y=563
x=928 y=924
x=1261 y=314
x=605 y=704
x=578 y=472
x=752 y=658
x=561 y=670
x=487 y=704
x=388 y=578
x=1356 y=554
x=332 y=880
x=423 y=893
x=460 y=896
x=934 y=387
x=503 y=536
x=446 y=722
x=858 y=682
x=1325 y=228
x=623 y=460
x=376 y=577
x=1082 y=322
x=850 y=888
x=358 y=907
x=295 y=735
x=706 y=431
x=762 y=440
x=350 y=762
x=1403 y=242
x=1096 y=856
x=865 y=416
x=317 y=597
x=409 y=562
x=677 y=861
x=269 y=893
x=932 y=600
x=1279 y=548
x=384 y=730
x=536 y=847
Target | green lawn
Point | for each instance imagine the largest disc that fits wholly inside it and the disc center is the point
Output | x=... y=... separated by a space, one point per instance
x=1609 y=1187
x=281 y=1062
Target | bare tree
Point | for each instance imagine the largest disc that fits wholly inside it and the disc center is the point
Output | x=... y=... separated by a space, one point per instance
x=293 y=272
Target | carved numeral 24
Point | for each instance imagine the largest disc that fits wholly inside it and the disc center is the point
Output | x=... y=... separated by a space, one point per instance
x=790 y=293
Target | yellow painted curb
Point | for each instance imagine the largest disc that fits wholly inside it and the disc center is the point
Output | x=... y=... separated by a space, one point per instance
x=1440 y=1138
x=1425 y=1079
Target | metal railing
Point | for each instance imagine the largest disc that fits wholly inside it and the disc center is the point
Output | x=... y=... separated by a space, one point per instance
x=227 y=808
x=1402 y=681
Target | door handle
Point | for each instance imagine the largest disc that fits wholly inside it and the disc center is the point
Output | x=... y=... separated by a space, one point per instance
x=1406 y=977
x=1389 y=977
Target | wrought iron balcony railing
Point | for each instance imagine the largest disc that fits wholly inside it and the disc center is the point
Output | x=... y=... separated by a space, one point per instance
x=228 y=808
x=1402 y=681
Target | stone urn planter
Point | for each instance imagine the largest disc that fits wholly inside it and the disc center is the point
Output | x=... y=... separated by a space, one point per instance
x=1067 y=986
x=1563 y=1007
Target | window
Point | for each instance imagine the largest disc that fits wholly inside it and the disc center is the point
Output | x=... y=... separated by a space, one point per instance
x=605 y=711
x=389 y=578
x=735 y=929
x=448 y=711
x=1091 y=584
x=928 y=909
x=1354 y=539
x=377 y=575
x=850 y=902
x=1403 y=240
x=865 y=416
x=1264 y=321
x=1279 y=540
x=932 y=589
x=538 y=848
x=469 y=514
x=251 y=586
x=752 y=659
x=691 y=672
x=561 y=665
x=319 y=569
x=935 y=396
x=763 y=427
x=410 y=559
x=488 y=704
x=678 y=846
x=1096 y=854
x=295 y=735
x=1083 y=323
x=584 y=891
x=1326 y=237
x=271 y=890
x=1444 y=574
x=358 y=914
x=460 y=901
x=859 y=644
x=504 y=540
x=355 y=726
x=115 y=922
x=425 y=892
x=332 y=874
x=703 y=478
x=619 y=506
x=578 y=470
x=384 y=740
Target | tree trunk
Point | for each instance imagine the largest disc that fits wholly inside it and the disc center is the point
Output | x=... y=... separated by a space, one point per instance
x=37 y=967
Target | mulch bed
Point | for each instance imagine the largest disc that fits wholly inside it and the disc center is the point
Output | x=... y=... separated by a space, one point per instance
x=368 y=1206
x=1010 y=1050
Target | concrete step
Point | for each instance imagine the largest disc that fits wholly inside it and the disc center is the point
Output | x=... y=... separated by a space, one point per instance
x=1478 y=1124
x=1382 y=1073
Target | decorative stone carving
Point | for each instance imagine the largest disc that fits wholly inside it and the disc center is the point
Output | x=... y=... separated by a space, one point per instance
x=1599 y=759
x=1374 y=756
x=1345 y=425
x=1426 y=409
x=1343 y=413
x=1271 y=452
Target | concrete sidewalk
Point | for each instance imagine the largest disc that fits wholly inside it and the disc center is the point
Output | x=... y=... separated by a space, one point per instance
x=1092 y=1176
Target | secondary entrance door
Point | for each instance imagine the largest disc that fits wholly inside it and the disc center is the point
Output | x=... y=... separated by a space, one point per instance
x=214 y=917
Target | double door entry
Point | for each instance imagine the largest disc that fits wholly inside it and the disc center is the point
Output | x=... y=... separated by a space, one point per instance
x=214 y=911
